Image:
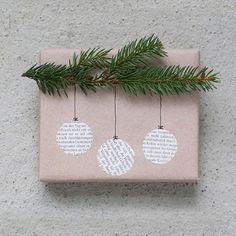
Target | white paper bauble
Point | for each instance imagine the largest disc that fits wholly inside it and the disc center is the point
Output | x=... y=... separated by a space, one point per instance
x=115 y=157
x=74 y=138
x=159 y=146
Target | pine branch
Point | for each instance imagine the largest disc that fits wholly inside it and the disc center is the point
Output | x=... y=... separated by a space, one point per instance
x=52 y=78
x=139 y=51
x=128 y=69
x=94 y=58
x=168 y=80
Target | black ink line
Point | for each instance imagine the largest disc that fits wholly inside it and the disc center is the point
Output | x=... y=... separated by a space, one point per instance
x=160 y=118
x=75 y=112
x=115 y=115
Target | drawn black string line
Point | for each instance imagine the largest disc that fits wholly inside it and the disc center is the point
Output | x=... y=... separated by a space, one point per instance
x=160 y=126
x=115 y=115
x=75 y=111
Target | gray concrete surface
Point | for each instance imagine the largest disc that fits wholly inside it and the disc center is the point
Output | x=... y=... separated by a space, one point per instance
x=28 y=207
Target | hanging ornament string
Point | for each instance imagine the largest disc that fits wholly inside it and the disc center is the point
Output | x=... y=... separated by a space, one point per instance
x=115 y=115
x=75 y=118
x=159 y=145
x=160 y=126
x=115 y=156
x=74 y=137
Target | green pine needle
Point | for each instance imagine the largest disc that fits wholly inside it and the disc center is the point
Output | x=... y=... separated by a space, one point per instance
x=168 y=80
x=129 y=69
x=139 y=51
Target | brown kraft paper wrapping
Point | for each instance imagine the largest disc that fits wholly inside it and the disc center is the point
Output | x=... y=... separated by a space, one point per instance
x=136 y=116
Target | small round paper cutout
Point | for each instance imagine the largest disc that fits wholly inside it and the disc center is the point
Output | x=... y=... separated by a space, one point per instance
x=115 y=157
x=74 y=138
x=159 y=146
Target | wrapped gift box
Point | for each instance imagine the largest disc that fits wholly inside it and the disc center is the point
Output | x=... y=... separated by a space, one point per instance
x=136 y=116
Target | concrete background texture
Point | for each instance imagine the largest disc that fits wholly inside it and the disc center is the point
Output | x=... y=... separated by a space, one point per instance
x=29 y=207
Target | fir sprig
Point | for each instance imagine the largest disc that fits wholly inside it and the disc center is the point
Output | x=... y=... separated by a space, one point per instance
x=129 y=69
x=137 y=52
x=168 y=80
x=93 y=58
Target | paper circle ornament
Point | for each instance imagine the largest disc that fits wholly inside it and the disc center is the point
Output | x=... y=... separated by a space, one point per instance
x=74 y=138
x=159 y=146
x=115 y=157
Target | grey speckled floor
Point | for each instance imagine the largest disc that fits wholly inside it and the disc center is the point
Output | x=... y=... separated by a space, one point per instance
x=28 y=207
